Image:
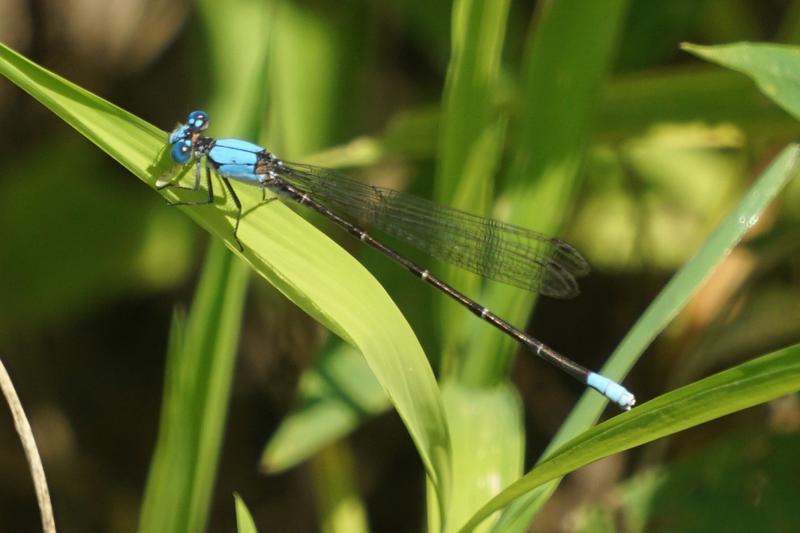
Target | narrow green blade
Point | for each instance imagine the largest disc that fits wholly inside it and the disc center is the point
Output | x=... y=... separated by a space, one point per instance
x=244 y=520
x=485 y=415
x=200 y=365
x=566 y=59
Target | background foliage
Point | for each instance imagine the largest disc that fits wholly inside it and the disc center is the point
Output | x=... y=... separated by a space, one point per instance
x=586 y=121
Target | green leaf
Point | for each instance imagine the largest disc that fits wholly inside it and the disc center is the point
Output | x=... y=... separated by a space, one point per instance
x=486 y=425
x=560 y=87
x=664 y=308
x=565 y=64
x=469 y=151
x=282 y=247
x=244 y=521
x=775 y=68
x=200 y=364
x=470 y=143
x=746 y=385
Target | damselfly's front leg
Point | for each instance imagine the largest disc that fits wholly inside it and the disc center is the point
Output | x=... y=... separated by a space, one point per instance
x=195 y=188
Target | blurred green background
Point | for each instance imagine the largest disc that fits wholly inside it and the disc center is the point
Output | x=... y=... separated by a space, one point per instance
x=673 y=144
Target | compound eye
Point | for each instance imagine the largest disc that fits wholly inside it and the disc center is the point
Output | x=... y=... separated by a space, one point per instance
x=181 y=152
x=198 y=121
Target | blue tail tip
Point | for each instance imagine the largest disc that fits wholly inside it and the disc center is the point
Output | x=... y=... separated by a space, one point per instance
x=611 y=390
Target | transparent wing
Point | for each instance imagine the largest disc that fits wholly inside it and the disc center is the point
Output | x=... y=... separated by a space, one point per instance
x=493 y=249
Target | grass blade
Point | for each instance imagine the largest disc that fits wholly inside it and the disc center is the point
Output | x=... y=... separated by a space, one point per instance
x=469 y=151
x=196 y=392
x=244 y=520
x=470 y=144
x=486 y=424
x=565 y=64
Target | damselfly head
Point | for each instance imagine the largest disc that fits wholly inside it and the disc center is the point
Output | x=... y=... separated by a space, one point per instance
x=183 y=137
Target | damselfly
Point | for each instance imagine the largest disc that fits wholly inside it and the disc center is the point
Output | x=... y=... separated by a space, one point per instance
x=490 y=248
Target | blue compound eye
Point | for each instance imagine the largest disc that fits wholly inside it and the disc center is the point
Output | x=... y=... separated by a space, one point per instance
x=197 y=121
x=182 y=152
